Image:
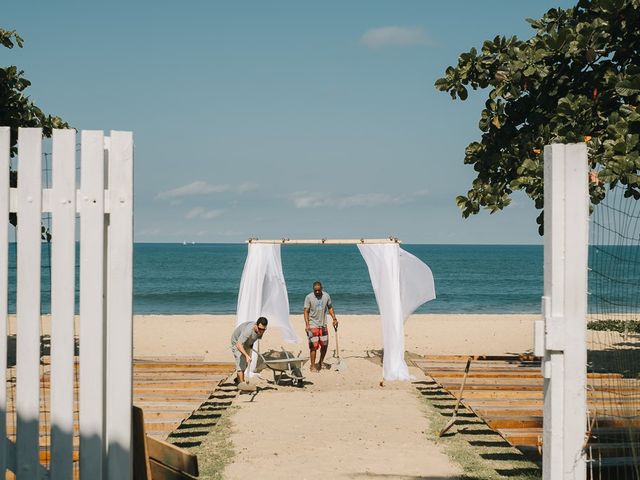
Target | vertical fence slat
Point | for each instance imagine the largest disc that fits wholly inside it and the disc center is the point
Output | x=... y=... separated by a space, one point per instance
x=575 y=310
x=553 y=271
x=5 y=144
x=28 y=301
x=63 y=210
x=119 y=307
x=92 y=306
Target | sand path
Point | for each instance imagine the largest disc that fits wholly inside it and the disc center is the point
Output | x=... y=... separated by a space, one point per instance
x=341 y=425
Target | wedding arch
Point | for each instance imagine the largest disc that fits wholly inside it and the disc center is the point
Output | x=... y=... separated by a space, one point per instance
x=401 y=283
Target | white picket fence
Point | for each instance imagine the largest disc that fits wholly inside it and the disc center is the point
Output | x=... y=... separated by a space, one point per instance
x=104 y=202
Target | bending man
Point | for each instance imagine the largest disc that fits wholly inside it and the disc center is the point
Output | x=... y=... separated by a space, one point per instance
x=316 y=305
x=242 y=340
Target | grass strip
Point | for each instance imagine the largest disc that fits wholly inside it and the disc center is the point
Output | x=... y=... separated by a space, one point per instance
x=207 y=433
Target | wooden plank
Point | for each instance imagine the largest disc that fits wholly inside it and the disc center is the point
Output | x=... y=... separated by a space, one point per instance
x=170 y=389
x=28 y=301
x=455 y=374
x=513 y=421
x=186 y=367
x=517 y=437
x=162 y=472
x=169 y=359
x=120 y=306
x=524 y=358
x=141 y=467
x=172 y=456
x=92 y=387
x=63 y=259
x=5 y=145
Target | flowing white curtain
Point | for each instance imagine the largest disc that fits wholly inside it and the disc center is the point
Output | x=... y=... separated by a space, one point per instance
x=263 y=291
x=401 y=283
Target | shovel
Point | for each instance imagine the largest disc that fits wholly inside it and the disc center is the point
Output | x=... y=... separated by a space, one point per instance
x=341 y=366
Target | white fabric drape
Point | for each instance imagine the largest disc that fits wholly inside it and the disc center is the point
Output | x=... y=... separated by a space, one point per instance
x=401 y=283
x=263 y=292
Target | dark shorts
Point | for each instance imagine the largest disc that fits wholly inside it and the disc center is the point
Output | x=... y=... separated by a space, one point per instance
x=318 y=337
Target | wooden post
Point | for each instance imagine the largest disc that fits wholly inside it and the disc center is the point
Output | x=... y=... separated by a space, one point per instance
x=4 y=287
x=119 y=307
x=28 y=303
x=92 y=325
x=63 y=260
x=564 y=310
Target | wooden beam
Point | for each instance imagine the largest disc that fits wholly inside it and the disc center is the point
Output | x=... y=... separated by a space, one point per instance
x=327 y=241
x=175 y=457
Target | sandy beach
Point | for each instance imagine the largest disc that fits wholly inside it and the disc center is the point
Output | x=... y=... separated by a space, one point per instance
x=341 y=424
x=208 y=335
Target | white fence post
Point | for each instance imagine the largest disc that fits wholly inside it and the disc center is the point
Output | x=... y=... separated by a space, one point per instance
x=28 y=303
x=120 y=307
x=92 y=325
x=566 y=206
x=5 y=145
x=63 y=260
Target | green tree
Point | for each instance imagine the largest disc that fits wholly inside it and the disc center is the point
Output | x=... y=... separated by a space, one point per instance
x=16 y=109
x=577 y=79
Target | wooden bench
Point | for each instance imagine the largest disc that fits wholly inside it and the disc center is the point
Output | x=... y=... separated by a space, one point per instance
x=155 y=459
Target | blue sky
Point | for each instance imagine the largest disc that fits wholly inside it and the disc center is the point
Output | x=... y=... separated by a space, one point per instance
x=278 y=119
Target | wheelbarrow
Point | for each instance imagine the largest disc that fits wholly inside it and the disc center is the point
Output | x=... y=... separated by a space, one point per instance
x=284 y=365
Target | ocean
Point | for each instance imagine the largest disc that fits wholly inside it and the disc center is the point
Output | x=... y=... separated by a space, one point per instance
x=205 y=278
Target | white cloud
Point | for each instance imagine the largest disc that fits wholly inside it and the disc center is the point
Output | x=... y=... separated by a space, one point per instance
x=194 y=212
x=200 y=187
x=394 y=36
x=200 y=212
x=209 y=214
x=317 y=200
x=194 y=188
x=246 y=187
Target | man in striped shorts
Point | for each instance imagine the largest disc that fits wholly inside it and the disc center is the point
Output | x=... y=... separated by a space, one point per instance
x=316 y=306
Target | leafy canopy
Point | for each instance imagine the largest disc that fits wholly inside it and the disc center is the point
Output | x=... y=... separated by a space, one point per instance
x=16 y=109
x=577 y=79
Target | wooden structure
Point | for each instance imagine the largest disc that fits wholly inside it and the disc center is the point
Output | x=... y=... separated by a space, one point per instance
x=104 y=203
x=168 y=391
x=506 y=392
x=154 y=459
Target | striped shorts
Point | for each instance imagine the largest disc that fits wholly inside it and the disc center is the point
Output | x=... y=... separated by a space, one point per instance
x=318 y=337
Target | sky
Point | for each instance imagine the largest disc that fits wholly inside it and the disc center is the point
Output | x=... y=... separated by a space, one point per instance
x=280 y=119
